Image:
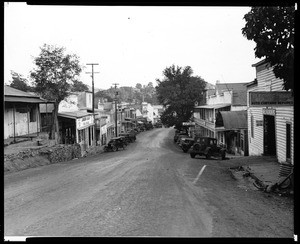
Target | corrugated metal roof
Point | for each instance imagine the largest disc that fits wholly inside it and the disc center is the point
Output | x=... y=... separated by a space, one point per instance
x=9 y=91
x=234 y=120
x=23 y=99
x=216 y=106
x=74 y=115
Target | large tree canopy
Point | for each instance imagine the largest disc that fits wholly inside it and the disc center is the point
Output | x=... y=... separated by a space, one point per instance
x=20 y=83
x=178 y=92
x=54 y=76
x=272 y=28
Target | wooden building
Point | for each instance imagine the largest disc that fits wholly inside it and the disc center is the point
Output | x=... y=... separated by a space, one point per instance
x=21 y=113
x=270 y=115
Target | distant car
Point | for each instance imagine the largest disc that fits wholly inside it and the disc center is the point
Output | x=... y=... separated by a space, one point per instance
x=129 y=137
x=207 y=146
x=180 y=138
x=186 y=144
x=114 y=144
x=158 y=125
x=177 y=134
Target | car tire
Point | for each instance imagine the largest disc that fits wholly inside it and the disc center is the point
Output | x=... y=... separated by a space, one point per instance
x=223 y=156
x=208 y=155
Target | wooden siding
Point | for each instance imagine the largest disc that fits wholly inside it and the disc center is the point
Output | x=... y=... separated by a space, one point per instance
x=21 y=123
x=256 y=143
x=284 y=115
x=266 y=81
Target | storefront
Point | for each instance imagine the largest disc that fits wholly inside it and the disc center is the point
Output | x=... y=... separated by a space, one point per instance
x=77 y=127
x=232 y=131
x=270 y=116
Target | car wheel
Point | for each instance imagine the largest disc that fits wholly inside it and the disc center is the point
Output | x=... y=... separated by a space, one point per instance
x=223 y=155
x=192 y=155
x=208 y=155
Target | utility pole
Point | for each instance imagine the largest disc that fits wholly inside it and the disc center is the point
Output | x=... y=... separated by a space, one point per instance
x=116 y=116
x=93 y=106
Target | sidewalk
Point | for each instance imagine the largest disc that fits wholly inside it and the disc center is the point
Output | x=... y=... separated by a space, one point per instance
x=266 y=169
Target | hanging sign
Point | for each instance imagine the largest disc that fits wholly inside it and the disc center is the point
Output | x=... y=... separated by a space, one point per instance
x=269 y=111
x=84 y=122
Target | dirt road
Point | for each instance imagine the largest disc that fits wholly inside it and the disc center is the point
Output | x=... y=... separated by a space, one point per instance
x=150 y=189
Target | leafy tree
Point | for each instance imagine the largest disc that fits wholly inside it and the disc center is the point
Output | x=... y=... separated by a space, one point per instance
x=79 y=86
x=178 y=92
x=54 y=76
x=138 y=86
x=272 y=28
x=20 y=83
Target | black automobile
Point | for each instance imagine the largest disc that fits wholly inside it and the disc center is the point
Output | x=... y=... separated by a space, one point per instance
x=207 y=146
x=186 y=144
x=158 y=125
x=178 y=133
x=129 y=137
x=114 y=144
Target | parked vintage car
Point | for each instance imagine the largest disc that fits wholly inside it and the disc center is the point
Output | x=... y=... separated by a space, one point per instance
x=186 y=143
x=207 y=146
x=114 y=144
x=129 y=137
x=158 y=125
x=180 y=138
x=177 y=134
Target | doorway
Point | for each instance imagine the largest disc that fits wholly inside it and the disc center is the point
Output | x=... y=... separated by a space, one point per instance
x=269 y=135
x=288 y=142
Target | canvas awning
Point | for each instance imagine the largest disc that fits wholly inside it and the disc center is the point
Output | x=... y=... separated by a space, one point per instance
x=234 y=120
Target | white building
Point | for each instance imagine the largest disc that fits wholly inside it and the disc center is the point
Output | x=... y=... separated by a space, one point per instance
x=270 y=116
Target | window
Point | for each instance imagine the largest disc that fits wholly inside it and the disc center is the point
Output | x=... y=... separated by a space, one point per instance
x=32 y=112
x=252 y=127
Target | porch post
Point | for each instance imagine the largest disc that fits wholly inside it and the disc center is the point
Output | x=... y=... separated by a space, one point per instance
x=27 y=119
x=14 y=116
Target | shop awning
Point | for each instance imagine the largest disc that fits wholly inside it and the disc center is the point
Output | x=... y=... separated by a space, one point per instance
x=214 y=106
x=234 y=120
x=74 y=115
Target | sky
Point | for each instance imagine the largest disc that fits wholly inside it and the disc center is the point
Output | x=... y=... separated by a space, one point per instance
x=132 y=44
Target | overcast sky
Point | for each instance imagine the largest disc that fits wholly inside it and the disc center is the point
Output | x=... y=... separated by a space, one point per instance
x=132 y=44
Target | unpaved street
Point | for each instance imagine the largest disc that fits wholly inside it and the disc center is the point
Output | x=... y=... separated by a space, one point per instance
x=149 y=189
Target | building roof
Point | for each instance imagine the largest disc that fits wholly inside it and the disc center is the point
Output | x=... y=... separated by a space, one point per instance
x=259 y=63
x=74 y=115
x=214 y=106
x=15 y=95
x=239 y=98
x=234 y=120
x=221 y=87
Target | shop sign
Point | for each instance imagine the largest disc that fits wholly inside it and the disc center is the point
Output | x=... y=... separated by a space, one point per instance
x=269 y=111
x=188 y=123
x=84 y=122
x=259 y=123
x=271 y=98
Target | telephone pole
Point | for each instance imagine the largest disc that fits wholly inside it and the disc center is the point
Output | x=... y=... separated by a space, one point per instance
x=116 y=116
x=93 y=106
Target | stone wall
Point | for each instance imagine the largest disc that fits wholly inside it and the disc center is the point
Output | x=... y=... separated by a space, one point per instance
x=37 y=157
